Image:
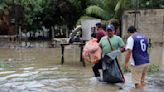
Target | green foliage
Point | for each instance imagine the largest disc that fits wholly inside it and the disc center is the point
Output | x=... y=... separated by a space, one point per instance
x=79 y=9
x=32 y=10
x=151 y=68
x=3 y=65
x=67 y=12
x=98 y=12
x=2 y=5
x=151 y=3
x=143 y=4
x=123 y=68
x=114 y=8
x=103 y=9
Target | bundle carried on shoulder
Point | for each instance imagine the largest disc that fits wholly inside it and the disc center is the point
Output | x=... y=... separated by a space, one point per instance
x=92 y=51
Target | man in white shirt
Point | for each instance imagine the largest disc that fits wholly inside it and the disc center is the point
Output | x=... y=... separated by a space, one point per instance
x=137 y=54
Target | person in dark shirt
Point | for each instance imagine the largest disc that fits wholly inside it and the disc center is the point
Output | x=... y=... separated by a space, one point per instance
x=99 y=31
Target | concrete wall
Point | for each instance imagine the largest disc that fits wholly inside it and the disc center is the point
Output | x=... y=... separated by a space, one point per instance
x=149 y=22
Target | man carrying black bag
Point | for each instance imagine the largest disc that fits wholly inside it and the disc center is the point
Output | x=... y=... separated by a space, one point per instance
x=109 y=43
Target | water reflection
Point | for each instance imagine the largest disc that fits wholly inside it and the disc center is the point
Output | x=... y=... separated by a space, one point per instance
x=39 y=70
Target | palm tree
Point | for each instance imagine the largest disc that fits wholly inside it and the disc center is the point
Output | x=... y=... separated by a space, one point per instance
x=106 y=9
x=103 y=9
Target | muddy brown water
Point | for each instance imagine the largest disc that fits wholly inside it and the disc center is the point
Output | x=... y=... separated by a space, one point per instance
x=39 y=70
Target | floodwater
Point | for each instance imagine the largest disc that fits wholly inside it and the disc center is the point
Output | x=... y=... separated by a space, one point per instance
x=29 y=69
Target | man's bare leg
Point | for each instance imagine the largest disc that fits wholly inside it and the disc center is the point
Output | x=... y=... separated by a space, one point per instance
x=138 y=85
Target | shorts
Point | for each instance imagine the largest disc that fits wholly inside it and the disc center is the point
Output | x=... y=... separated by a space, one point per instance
x=138 y=73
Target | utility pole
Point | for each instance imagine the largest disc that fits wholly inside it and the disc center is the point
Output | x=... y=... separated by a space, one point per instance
x=135 y=13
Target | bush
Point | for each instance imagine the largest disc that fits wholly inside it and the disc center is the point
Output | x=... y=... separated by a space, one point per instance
x=151 y=68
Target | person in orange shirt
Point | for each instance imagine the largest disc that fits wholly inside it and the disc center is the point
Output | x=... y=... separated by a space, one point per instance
x=92 y=50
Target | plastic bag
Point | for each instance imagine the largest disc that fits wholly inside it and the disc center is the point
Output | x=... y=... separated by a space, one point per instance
x=92 y=51
x=111 y=71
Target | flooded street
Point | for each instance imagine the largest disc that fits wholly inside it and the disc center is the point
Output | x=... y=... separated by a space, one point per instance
x=40 y=70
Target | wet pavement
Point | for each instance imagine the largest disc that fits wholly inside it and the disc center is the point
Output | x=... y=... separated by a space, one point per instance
x=40 y=70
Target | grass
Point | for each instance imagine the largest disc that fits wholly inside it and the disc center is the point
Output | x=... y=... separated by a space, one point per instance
x=151 y=68
x=4 y=65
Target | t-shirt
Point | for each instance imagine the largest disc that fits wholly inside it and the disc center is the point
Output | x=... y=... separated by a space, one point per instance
x=138 y=43
x=129 y=45
x=100 y=33
x=116 y=42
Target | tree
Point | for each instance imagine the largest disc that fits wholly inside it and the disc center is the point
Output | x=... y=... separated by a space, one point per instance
x=107 y=9
x=35 y=13
x=101 y=9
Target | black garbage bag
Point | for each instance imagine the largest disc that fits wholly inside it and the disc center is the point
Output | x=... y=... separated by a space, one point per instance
x=111 y=71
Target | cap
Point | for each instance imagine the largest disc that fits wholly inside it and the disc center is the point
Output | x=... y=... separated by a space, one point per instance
x=98 y=23
x=110 y=27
